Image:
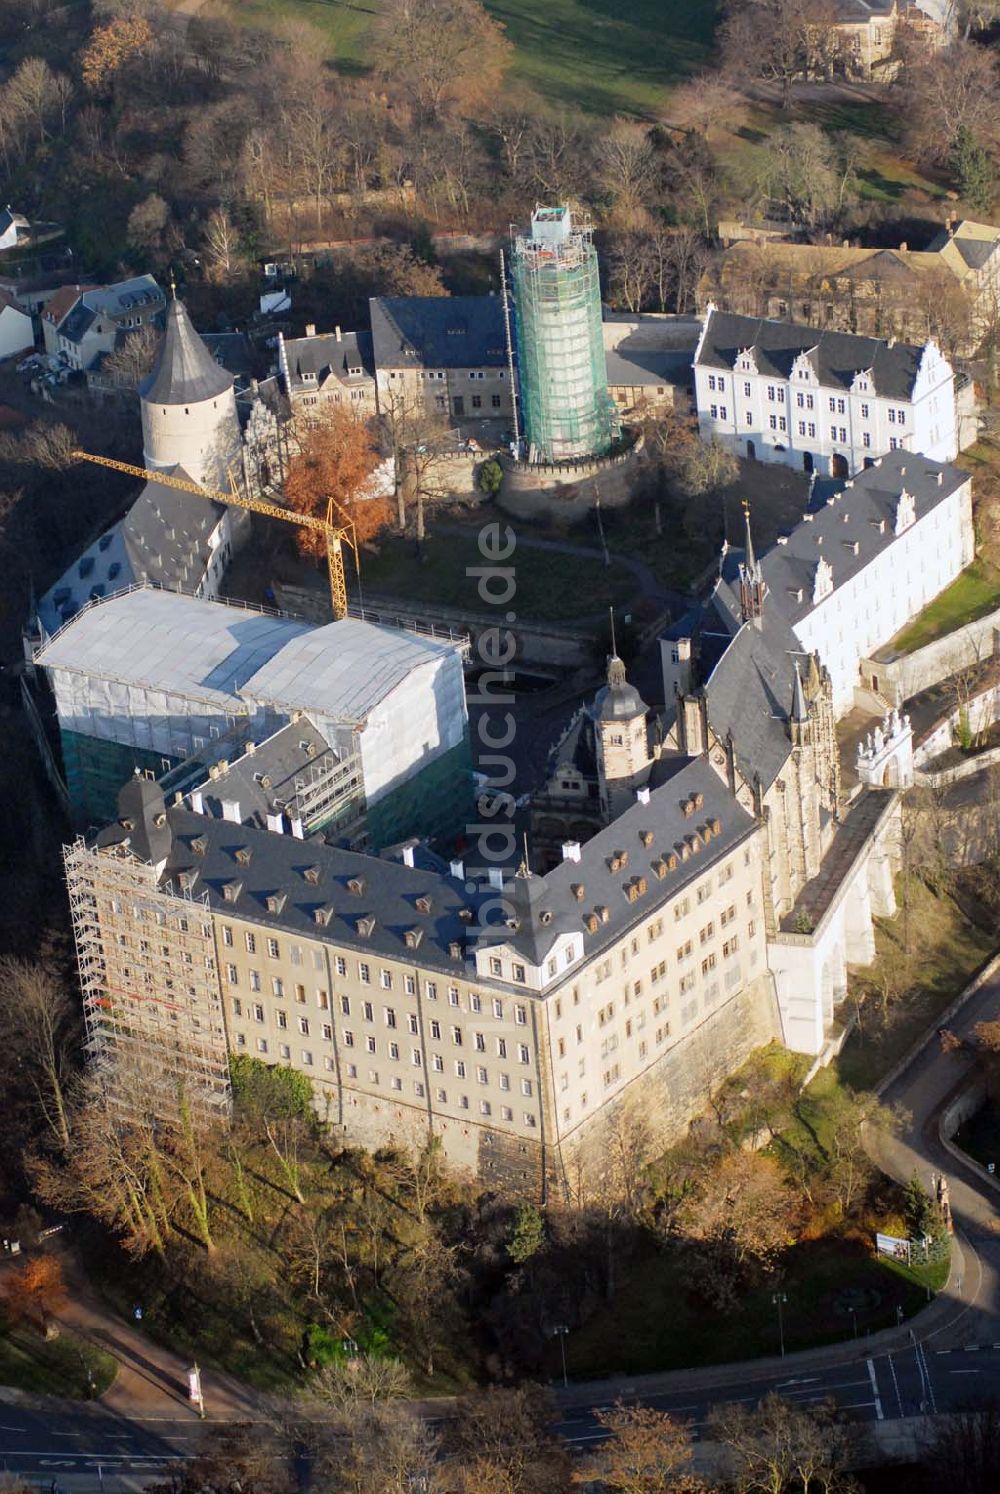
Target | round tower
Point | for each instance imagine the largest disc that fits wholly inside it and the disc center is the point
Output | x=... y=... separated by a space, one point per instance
x=189 y=415
x=621 y=739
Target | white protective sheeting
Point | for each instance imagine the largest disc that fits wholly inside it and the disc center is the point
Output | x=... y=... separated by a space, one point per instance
x=159 y=670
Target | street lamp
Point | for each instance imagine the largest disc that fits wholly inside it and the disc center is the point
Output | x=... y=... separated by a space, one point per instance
x=780 y=1299
x=560 y=1331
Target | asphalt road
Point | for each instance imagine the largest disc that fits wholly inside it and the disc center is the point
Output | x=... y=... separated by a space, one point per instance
x=916 y=1380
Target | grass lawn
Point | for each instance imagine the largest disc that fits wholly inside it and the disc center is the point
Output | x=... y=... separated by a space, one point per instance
x=604 y=56
x=654 y=1324
x=550 y=587
x=55 y=1366
x=973 y=594
x=980 y=1135
x=946 y=952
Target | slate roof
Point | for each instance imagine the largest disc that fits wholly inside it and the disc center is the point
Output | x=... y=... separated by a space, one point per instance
x=279 y=760
x=327 y=354
x=836 y=357
x=186 y=371
x=545 y=906
x=163 y=538
x=166 y=534
x=62 y=301
x=863 y=513
x=750 y=690
x=78 y=323
x=641 y=365
x=438 y=332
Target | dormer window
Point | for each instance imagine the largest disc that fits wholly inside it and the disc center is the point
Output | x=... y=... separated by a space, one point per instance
x=823 y=580
x=906 y=512
x=423 y=903
x=356 y=886
x=322 y=915
x=231 y=891
x=412 y=938
x=244 y=855
x=276 y=901
x=365 y=926
x=311 y=875
x=199 y=845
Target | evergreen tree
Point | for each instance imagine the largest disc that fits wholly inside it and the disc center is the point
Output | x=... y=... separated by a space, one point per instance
x=973 y=169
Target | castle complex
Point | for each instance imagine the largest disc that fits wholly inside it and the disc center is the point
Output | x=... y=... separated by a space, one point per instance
x=285 y=871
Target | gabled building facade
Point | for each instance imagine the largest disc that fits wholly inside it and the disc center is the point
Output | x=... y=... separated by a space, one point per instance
x=334 y=368
x=824 y=402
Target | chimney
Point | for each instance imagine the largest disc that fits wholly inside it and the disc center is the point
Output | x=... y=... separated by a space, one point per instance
x=495 y=875
x=276 y=823
x=197 y=803
x=250 y=748
x=571 y=850
x=310 y=329
x=407 y=855
x=457 y=869
x=231 y=810
x=338 y=335
x=297 y=829
x=903 y=247
x=642 y=795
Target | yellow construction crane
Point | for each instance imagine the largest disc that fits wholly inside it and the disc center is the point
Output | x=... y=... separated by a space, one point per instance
x=336 y=534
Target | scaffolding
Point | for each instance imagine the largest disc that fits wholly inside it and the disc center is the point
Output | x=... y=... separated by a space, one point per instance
x=566 y=410
x=149 y=978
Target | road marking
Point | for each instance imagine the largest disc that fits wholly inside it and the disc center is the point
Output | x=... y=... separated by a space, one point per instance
x=965 y=1372
x=895 y=1382
x=942 y=1351
x=878 y=1403
x=927 y=1374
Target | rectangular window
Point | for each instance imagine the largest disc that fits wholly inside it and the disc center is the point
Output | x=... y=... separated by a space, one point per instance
x=770 y=393
x=522 y=1053
x=864 y=412
x=272 y=948
x=254 y=980
x=435 y=1028
x=300 y=995
x=348 y=1039
x=227 y=936
x=410 y=985
x=341 y=965
x=345 y=1005
x=723 y=413
x=232 y=975
x=281 y=1019
x=370 y=1044
x=802 y=427
x=258 y=1013
x=251 y=943
x=746 y=388
x=459 y=1068
x=782 y=424
x=456 y=1036
x=277 y=986
x=237 y=1007
x=390 y=1016
x=431 y=990
x=327 y=1032
x=833 y=406
x=394 y=1051
x=866 y=440
x=411 y=1023
x=438 y=1063
x=517 y=971
x=304 y=1026
x=387 y=980
x=368 y=1011
x=452 y=995
x=892 y=417
x=307 y=1058
x=364 y=974
x=840 y=407
x=480 y=1042
x=714 y=412
x=772 y=421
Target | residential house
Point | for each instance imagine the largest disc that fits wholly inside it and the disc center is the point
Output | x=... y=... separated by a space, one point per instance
x=79 y=328
x=335 y=368
x=17 y=332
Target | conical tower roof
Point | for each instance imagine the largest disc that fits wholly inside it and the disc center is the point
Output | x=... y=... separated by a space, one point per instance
x=185 y=373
